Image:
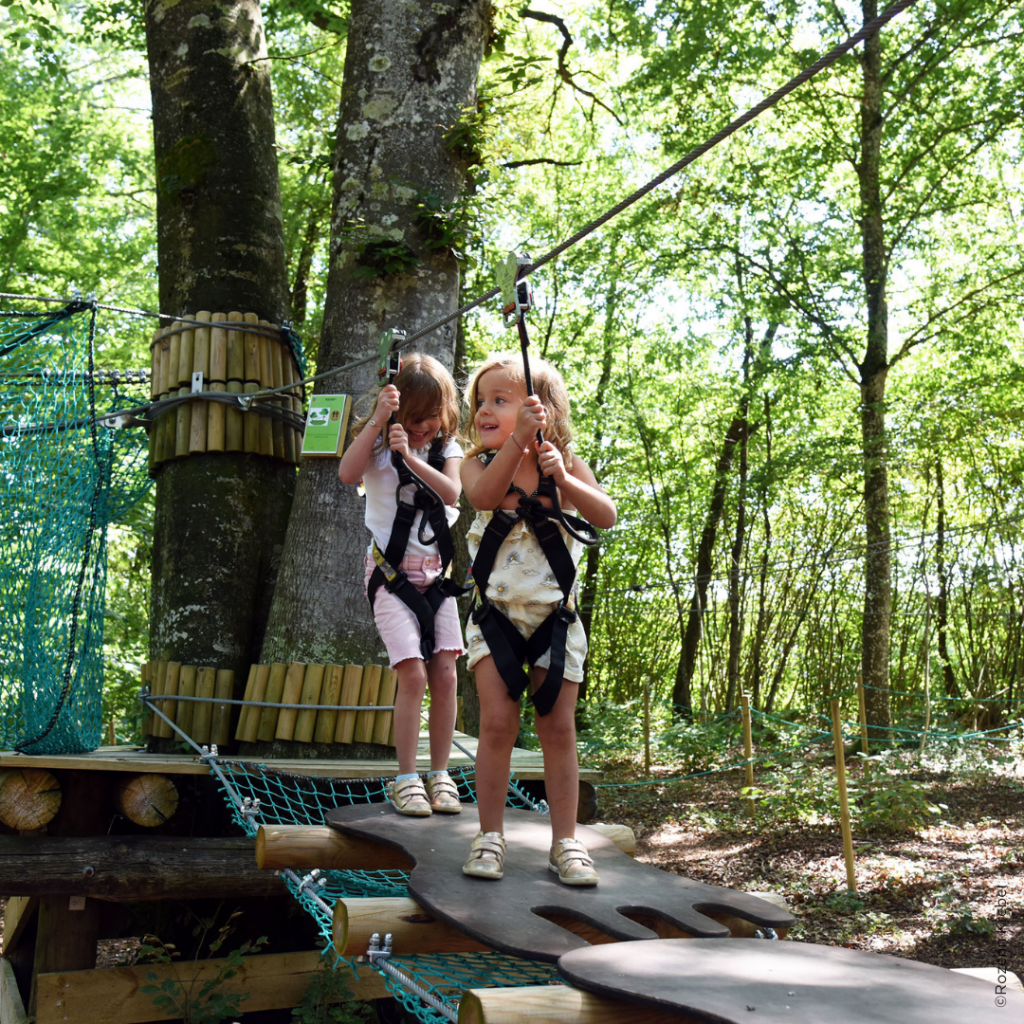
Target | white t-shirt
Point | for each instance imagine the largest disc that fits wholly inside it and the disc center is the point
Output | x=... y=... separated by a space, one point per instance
x=379 y=482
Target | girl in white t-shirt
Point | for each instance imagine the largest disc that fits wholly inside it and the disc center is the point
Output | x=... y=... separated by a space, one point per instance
x=424 y=400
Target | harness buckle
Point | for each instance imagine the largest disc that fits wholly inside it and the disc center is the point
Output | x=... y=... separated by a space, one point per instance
x=393 y=578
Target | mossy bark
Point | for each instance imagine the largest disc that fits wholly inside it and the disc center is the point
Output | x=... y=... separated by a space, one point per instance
x=220 y=518
x=410 y=70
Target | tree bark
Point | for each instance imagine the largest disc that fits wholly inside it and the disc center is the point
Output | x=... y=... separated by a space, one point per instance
x=220 y=518
x=410 y=70
x=873 y=375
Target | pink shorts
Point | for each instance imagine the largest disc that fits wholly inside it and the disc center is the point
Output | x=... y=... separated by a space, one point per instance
x=397 y=625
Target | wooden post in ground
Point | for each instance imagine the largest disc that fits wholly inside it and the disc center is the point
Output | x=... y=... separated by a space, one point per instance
x=862 y=715
x=647 y=727
x=748 y=748
x=844 y=805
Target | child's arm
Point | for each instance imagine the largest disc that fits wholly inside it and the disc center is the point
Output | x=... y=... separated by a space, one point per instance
x=445 y=481
x=359 y=453
x=578 y=487
x=486 y=486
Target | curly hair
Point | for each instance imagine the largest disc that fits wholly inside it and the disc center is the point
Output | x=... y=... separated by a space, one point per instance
x=548 y=385
x=427 y=389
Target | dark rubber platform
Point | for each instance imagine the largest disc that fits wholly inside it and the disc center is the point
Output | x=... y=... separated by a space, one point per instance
x=751 y=981
x=501 y=914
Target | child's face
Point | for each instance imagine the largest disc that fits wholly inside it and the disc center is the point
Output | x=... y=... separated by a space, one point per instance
x=422 y=431
x=498 y=399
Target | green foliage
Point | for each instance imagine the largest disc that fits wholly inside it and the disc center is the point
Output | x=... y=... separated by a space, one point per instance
x=963 y=922
x=183 y=993
x=381 y=257
x=890 y=802
x=328 y=1000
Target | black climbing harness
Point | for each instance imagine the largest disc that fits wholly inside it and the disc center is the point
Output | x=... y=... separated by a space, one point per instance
x=507 y=645
x=429 y=507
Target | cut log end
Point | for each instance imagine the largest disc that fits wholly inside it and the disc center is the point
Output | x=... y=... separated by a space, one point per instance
x=29 y=798
x=148 y=800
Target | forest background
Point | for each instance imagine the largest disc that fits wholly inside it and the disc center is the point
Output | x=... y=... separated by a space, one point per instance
x=796 y=366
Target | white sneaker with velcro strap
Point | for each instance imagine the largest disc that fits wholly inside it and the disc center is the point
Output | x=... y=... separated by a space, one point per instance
x=571 y=862
x=486 y=856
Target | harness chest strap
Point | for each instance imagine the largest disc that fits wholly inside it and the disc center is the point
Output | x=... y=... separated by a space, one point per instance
x=507 y=645
x=394 y=579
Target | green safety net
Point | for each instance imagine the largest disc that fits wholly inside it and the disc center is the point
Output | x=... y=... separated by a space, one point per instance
x=260 y=795
x=63 y=479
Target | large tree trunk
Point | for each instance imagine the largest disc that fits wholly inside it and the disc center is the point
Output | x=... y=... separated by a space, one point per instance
x=410 y=70
x=873 y=374
x=220 y=518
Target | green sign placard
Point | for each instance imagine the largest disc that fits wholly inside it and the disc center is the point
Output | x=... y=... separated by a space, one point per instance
x=326 y=423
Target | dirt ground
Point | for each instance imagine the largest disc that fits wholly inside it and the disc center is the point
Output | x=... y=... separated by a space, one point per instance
x=950 y=893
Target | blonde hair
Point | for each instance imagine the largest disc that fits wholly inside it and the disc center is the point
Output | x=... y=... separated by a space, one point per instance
x=427 y=389
x=548 y=385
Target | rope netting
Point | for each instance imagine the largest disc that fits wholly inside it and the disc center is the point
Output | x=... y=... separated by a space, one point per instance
x=261 y=795
x=63 y=479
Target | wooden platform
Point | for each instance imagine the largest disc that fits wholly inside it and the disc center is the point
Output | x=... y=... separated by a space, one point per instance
x=526 y=764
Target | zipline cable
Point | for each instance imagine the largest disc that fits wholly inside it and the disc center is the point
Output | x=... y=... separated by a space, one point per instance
x=767 y=103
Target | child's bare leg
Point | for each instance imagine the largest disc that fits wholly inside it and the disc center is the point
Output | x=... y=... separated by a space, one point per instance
x=412 y=684
x=557 y=734
x=441 y=681
x=499 y=726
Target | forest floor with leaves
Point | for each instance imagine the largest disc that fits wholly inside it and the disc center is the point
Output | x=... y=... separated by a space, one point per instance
x=949 y=891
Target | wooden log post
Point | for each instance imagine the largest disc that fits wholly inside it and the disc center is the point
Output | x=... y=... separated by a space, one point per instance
x=29 y=798
x=557 y=1004
x=327 y=721
x=267 y=728
x=413 y=929
x=200 y=364
x=844 y=805
x=252 y=385
x=304 y=847
x=129 y=868
x=368 y=695
x=748 y=751
x=383 y=724
x=292 y=692
x=147 y=800
x=183 y=414
x=351 y=685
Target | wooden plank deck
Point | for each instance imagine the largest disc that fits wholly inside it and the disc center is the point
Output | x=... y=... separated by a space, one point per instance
x=526 y=764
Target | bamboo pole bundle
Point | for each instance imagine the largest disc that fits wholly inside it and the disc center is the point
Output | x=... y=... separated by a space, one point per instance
x=327 y=721
x=170 y=689
x=251 y=419
x=368 y=694
x=245 y=713
x=267 y=728
x=216 y=412
x=351 y=686
x=312 y=685
x=205 y=687
x=292 y=692
x=185 y=709
x=293 y=437
x=29 y=798
x=220 y=726
x=277 y=357
x=383 y=724
x=183 y=414
x=234 y=427
x=266 y=423
x=147 y=800
x=200 y=364
x=170 y=390
x=155 y=371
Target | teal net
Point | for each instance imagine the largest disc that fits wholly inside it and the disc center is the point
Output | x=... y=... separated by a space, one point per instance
x=261 y=795
x=63 y=479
